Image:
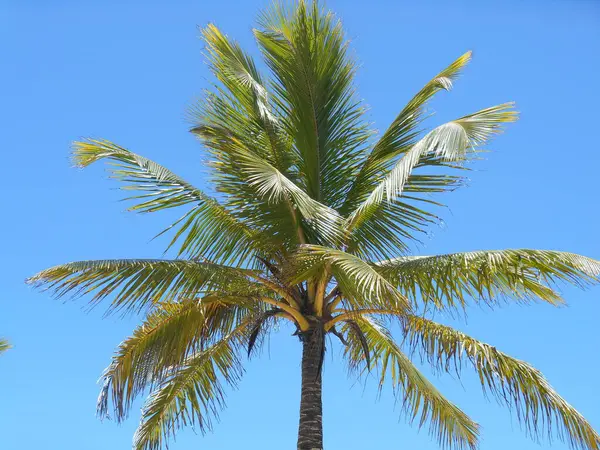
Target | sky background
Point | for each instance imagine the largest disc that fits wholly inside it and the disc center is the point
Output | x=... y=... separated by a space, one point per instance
x=128 y=70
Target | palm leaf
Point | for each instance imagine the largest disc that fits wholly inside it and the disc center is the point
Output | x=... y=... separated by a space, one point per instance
x=421 y=400
x=167 y=337
x=140 y=283
x=306 y=50
x=513 y=382
x=240 y=76
x=445 y=281
x=248 y=175
x=209 y=228
x=451 y=142
x=358 y=281
x=193 y=393
x=401 y=135
x=4 y=345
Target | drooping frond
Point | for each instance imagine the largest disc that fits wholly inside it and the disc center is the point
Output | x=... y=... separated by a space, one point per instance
x=452 y=142
x=513 y=382
x=4 y=345
x=209 y=229
x=358 y=281
x=167 y=337
x=446 y=281
x=306 y=50
x=140 y=283
x=271 y=184
x=193 y=392
x=401 y=134
x=422 y=402
x=160 y=187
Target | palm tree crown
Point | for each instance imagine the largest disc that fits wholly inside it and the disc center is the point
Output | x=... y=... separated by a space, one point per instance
x=313 y=223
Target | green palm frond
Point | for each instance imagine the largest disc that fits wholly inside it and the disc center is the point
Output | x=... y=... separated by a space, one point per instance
x=168 y=336
x=450 y=143
x=448 y=281
x=359 y=282
x=226 y=129
x=239 y=75
x=513 y=382
x=248 y=174
x=420 y=399
x=160 y=187
x=141 y=283
x=4 y=345
x=401 y=135
x=274 y=186
x=210 y=229
x=306 y=50
x=193 y=393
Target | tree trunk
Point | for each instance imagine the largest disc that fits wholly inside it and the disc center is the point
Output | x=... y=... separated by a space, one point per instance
x=310 y=431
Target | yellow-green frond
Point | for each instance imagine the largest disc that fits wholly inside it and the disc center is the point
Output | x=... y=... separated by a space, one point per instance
x=448 y=281
x=307 y=51
x=513 y=382
x=166 y=338
x=359 y=282
x=401 y=134
x=141 y=283
x=208 y=229
x=192 y=393
x=451 y=142
x=421 y=401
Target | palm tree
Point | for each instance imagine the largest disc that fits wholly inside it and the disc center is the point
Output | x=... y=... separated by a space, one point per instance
x=4 y=345
x=312 y=224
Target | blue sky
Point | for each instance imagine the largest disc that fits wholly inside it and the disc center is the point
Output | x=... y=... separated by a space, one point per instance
x=127 y=71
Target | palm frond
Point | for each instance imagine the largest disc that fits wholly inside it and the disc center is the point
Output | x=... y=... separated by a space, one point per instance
x=446 y=281
x=358 y=281
x=306 y=50
x=401 y=135
x=422 y=402
x=168 y=336
x=451 y=143
x=248 y=174
x=514 y=383
x=270 y=183
x=141 y=283
x=240 y=76
x=193 y=393
x=160 y=187
x=209 y=229
x=4 y=345
x=227 y=130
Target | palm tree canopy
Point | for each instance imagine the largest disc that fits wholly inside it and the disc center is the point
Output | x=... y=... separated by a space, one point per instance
x=313 y=222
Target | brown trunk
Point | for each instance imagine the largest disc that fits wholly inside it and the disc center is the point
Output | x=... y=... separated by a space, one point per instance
x=310 y=431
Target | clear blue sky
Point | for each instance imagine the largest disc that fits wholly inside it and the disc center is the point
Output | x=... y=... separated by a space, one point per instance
x=127 y=70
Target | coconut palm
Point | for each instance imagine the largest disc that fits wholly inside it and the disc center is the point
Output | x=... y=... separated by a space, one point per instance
x=313 y=223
